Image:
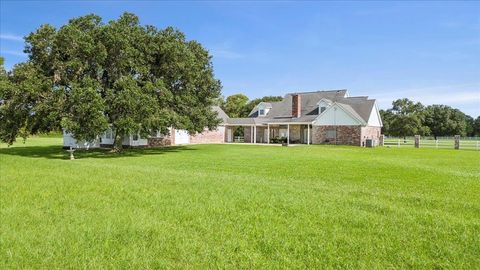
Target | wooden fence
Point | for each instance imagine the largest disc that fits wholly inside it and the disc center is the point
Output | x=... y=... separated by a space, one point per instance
x=470 y=143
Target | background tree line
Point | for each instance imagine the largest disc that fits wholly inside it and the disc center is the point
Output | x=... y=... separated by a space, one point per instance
x=407 y=118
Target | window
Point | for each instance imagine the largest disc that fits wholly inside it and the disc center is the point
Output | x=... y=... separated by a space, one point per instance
x=135 y=137
x=261 y=111
x=108 y=134
x=322 y=109
x=331 y=134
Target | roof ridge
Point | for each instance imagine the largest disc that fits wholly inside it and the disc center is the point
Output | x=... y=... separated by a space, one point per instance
x=318 y=91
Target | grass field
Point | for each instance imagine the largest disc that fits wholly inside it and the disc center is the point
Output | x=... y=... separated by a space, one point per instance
x=239 y=206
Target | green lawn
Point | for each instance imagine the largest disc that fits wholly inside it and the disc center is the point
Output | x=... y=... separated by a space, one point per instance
x=239 y=206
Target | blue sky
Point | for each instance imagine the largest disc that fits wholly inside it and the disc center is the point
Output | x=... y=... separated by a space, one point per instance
x=426 y=51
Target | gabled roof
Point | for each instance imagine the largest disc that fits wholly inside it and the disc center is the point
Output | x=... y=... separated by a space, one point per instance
x=281 y=111
x=326 y=100
x=352 y=112
x=221 y=114
x=268 y=105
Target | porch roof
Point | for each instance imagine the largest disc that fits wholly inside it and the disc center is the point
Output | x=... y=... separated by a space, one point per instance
x=307 y=119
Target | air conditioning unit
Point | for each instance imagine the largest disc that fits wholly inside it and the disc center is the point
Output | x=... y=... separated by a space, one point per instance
x=370 y=143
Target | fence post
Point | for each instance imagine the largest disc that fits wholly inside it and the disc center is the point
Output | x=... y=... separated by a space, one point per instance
x=381 y=140
x=436 y=144
x=398 y=143
x=417 y=141
x=457 y=141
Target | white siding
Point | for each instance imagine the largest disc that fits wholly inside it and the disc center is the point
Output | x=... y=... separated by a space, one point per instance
x=128 y=140
x=181 y=137
x=335 y=115
x=69 y=141
x=374 y=119
x=107 y=137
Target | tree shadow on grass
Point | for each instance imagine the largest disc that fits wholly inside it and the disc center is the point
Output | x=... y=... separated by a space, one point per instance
x=57 y=152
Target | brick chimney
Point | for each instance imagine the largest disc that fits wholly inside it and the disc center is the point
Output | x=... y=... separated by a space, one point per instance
x=296 y=105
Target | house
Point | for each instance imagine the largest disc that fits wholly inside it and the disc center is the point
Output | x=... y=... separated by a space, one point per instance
x=321 y=117
x=175 y=137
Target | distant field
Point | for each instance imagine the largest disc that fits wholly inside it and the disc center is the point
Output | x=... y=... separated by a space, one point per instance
x=239 y=206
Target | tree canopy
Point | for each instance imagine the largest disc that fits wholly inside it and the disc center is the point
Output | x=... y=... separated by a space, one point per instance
x=238 y=105
x=443 y=120
x=88 y=75
x=234 y=105
x=407 y=118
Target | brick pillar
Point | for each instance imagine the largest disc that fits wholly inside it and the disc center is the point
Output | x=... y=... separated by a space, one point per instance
x=381 y=140
x=457 y=141
x=417 y=141
x=296 y=105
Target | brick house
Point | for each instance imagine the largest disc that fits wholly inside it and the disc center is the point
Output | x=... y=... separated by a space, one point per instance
x=322 y=117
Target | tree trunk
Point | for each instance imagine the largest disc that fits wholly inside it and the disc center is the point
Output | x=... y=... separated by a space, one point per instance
x=117 y=142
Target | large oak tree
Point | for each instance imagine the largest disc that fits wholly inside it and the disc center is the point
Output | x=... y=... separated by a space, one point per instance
x=93 y=74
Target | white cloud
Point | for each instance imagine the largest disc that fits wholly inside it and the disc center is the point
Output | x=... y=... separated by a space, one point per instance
x=226 y=54
x=11 y=37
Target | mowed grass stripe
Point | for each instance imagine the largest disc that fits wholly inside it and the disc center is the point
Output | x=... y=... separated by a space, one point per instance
x=239 y=206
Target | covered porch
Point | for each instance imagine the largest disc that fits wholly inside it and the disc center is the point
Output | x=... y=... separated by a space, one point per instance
x=270 y=133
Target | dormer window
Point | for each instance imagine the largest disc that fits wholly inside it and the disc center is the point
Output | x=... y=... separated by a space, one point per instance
x=261 y=109
x=323 y=104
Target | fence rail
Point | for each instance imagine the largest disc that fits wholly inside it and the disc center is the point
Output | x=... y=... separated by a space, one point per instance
x=471 y=143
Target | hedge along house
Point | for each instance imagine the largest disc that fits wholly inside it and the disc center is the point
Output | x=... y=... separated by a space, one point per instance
x=322 y=117
x=175 y=137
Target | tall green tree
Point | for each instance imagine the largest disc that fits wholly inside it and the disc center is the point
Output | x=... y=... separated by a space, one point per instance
x=387 y=117
x=443 y=120
x=476 y=127
x=407 y=118
x=29 y=104
x=469 y=126
x=84 y=112
x=234 y=105
x=137 y=78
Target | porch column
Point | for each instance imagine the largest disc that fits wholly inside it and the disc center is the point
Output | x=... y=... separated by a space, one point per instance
x=308 y=134
x=254 y=134
x=251 y=134
x=288 y=134
x=268 y=132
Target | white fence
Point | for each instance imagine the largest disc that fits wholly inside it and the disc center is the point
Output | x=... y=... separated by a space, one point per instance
x=471 y=143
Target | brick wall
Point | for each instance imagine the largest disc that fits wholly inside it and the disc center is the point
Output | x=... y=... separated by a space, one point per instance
x=346 y=135
x=165 y=141
x=371 y=133
x=209 y=136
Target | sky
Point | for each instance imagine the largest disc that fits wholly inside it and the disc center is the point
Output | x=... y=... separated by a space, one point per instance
x=426 y=51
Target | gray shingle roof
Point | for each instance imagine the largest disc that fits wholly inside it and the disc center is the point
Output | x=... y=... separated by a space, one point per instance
x=221 y=114
x=281 y=111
